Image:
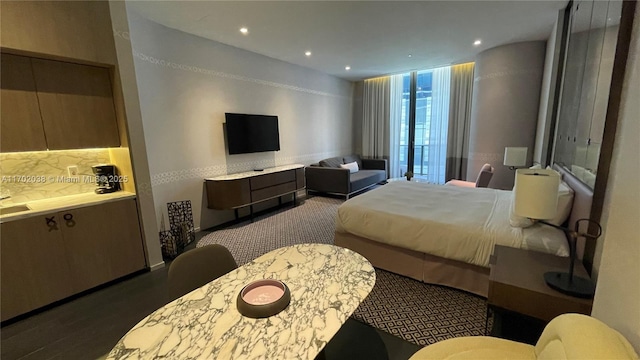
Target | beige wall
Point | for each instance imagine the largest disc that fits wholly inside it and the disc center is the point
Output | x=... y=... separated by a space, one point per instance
x=504 y=109
x=186 y=84
x=617 y=299
x=135 y=133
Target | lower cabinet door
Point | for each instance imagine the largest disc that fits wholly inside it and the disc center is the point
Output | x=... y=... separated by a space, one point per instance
x=34 y=270
x=102 y=242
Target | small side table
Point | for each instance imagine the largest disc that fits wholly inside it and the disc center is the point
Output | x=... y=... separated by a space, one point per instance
x=517 y=286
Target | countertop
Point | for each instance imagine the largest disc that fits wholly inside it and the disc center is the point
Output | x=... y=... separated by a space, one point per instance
x=62 y=203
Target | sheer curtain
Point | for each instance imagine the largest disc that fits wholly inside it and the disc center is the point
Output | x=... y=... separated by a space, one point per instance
x=438 y=129
x=375 y=118
x=459 y=121
x=395 y=118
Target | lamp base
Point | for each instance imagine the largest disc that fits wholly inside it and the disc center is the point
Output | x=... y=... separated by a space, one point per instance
x=578 y=287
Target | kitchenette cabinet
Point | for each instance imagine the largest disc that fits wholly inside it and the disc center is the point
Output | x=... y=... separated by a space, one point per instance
x=56 y=105
x=21 y=122
x=76 y=103
x=50 y=257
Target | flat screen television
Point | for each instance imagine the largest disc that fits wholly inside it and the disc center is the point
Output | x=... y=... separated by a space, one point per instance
x=248 y=133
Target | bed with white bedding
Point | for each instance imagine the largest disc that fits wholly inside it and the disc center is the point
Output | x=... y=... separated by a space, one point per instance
x=443 y=234
x=452 y=222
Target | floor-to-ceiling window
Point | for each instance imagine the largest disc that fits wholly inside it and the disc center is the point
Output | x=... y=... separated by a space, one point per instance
x=422 y=130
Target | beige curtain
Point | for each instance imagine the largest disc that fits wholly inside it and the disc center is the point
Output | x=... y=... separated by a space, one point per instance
x=375 y=118
x=459 y=121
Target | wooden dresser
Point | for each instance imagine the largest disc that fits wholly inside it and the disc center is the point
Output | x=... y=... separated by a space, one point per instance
x=244 y=189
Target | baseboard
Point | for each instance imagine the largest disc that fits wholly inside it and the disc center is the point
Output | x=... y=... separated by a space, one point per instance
x=157 y=266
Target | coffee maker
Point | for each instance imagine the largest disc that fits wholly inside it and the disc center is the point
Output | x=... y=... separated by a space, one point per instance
x=107 y=179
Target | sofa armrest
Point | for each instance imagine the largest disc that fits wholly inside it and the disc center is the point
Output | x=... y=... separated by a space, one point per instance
x=328 y=179
x=376 y=164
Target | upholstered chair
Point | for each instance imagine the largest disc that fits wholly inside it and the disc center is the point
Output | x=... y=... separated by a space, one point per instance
x=197 y=267
x=483 y=179
x=566 y=337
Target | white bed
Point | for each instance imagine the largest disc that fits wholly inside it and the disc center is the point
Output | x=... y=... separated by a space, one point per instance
x=444 y=234
x=452 y=222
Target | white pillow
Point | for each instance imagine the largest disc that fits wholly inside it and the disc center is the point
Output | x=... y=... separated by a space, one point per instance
x=565 y=202
x=352 y=166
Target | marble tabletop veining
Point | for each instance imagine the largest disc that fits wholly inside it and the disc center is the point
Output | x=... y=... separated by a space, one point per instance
x=327 y=284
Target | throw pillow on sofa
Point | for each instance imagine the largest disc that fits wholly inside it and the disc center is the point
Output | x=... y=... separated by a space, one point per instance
x=351 y=158
x=352 y=166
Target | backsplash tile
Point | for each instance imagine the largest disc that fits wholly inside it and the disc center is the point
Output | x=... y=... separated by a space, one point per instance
x=28 y=176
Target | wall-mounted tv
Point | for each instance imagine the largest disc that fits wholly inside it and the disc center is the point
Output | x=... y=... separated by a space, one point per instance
x=248 y=133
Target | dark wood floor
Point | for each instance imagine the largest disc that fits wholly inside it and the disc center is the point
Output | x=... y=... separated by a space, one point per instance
x=88 y=326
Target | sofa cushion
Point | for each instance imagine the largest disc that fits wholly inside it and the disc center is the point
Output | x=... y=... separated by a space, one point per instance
x=364 y=178
x=334 y=162
x=351 y=158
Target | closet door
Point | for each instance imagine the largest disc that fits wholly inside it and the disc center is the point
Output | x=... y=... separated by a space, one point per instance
x=21 y=122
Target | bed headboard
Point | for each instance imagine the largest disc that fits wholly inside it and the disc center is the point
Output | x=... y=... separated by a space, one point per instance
x=582 y=198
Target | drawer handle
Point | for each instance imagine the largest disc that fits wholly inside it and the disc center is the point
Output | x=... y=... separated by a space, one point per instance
x=68 y=218
x=52 y=223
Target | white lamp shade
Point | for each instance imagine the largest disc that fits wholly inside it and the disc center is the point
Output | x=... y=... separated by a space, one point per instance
x=536 y=193
x=515 y=156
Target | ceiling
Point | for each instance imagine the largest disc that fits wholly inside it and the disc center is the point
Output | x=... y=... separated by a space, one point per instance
x=372 y=37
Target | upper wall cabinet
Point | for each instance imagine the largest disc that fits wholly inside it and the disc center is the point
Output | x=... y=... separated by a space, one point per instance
x=76 y=103
x=78 y=30
x=55 y=105
x=585 y=86
x=21 y=125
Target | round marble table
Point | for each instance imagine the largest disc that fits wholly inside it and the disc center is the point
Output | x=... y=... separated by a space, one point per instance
x=327 y=284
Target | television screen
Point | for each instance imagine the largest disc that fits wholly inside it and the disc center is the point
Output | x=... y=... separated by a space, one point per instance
x=252 y=133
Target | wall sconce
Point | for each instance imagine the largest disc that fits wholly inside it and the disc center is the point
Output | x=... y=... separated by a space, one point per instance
x=536 y=197
x=515 y=157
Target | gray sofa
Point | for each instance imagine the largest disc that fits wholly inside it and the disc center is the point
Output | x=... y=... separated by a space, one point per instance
x=328 y=177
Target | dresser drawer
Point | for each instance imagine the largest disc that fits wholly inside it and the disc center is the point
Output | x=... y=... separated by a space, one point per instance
x=266 y=180
x=273 y=191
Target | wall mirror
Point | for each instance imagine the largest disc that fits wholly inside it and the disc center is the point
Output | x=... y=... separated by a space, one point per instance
x=590 y=51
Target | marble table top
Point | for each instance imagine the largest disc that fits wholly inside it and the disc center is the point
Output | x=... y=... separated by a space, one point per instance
x=327 y=284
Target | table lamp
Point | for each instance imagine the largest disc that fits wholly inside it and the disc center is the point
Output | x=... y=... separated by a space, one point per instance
x=536 y=197
x=515 y=157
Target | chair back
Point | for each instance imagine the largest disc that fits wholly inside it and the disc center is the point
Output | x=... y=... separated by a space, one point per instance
x=197 y=267
x=485 y=175
x=576 y=336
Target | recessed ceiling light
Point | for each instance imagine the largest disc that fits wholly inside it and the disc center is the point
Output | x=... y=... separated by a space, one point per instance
x=244 y=30
x=308 y=53
x=410 y=55
x=477 y=42
x=347 y=67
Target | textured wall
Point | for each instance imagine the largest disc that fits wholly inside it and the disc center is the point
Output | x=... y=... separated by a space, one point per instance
x=618 y=287
x=186 y=83
x=504 y=112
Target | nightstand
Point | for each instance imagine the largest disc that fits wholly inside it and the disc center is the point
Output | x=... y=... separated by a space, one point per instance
x=519 y=295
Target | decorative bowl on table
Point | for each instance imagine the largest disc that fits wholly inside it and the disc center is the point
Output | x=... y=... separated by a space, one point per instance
x=263 y=298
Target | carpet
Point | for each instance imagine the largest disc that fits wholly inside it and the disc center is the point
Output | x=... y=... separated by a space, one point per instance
x=420 y=313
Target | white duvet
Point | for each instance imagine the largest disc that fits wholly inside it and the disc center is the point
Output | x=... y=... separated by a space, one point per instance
x=452 y=222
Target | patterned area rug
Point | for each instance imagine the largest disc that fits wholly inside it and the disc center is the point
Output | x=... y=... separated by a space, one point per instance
x=417 y=312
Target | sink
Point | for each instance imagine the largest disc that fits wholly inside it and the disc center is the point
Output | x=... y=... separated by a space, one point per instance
x=13 y=209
